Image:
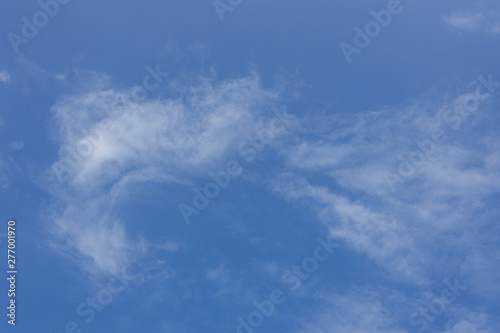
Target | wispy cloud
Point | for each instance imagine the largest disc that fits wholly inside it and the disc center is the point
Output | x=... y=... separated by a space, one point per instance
x=4 y=76
x=356 y=311
x=485 y=19
x=380 y=236
x=465 y=321
x=464 y=22
x=219 y=274
x=109 y=142
x=337 y=166
x=17 y=145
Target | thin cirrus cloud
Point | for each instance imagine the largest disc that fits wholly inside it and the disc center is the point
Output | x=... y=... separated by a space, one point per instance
x=355 y=311
x=4 y=76
x=471 y=321
x=427 y=228
x=170 y=140
x=465 y=22
x=109 y=141
x=365 y=310
x=485 y=20
x=180 y=135
x=17 y=145
x=402 y=229
x=378 y=235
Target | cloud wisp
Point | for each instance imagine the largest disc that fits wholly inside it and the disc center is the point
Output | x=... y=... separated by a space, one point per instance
x=110 y=141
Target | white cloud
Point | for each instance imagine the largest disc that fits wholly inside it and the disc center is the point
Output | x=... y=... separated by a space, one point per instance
x=18 y=145
x=4 y=76
x=89 y=234
x=115 y=142
x=219 y=274
x=466 y=321
x=434 y=209
x=178 y=136
x=356 y=312
x=464 y=22
x=485 y=19
x=380 y=310
x=380 y=236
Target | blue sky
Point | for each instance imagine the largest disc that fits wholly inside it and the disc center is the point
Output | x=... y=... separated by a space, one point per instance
x=227 y=166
